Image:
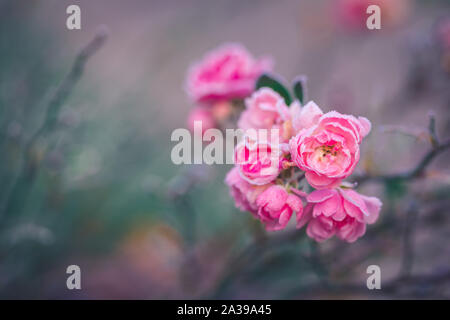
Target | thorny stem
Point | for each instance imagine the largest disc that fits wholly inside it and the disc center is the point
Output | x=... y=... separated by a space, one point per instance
x=413 y=173
x=317 y=263
x=30 y=164
x=432 y=130
x=404 y=277
x=419 y=169
x=408 y=239
x=415 y=284
x=238 y=263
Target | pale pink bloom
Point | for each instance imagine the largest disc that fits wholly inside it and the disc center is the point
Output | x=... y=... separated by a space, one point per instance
x=229 y=72
x=340 y=212
x=243 y=193
x=327 y=145
x=264 y=109
x=275 y=207
x=259 y=162
x=202 y=115
x=306 y=116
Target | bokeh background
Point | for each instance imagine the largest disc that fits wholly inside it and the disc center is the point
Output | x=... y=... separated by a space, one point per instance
x=101 y=192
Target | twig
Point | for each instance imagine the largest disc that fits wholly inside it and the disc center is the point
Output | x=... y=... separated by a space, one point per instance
x=237 y=264
x=408 y=241
x=387 y=288
x=432 y=130
x=414 y=173
x=317 y=264
x=419 y=169
x=25 y=178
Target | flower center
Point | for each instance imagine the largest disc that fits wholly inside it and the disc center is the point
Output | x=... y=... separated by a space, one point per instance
x=328 y=150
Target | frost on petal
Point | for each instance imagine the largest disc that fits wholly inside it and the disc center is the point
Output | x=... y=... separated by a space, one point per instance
x=276 y=206
x=304 y=217
x=365 y=126
x=343 y=212
x=320 y=229
x=328 y=150
x=265 y=108
x=351 y=231
x=243 y=193
x=354 y=199
x=373 y=205
x=294 y=202
x=327 y=208
x=274 y=198
x=321 y=182
x=307 y=116
x=320 y=195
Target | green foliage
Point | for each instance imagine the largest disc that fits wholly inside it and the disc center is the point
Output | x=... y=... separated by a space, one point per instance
x=395 y=188
x=276 y=84
x=299 y=88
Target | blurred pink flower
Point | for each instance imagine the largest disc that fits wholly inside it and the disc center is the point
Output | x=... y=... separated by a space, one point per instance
x=264 y=109
x=203 y=115
x=443 y=33
x=352 y=14
x=243 y=193
x=221 y=110
x=229 y=72
x=327 y=145
x=275 y=207
x=340 y=212
x=259 y=162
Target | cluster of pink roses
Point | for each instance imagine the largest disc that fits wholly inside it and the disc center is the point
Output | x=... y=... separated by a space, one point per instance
x=325 y=146
x=301 y=141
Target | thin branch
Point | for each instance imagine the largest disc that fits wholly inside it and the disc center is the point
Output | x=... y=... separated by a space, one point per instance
x=391 y=287
x=432 y=130
x=413 y=173
x=317 y=263
x=237 y=264
x=408 y=241
x=25 y=178
x=72 y=79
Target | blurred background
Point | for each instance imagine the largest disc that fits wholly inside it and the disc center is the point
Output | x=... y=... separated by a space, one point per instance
x=90 y=182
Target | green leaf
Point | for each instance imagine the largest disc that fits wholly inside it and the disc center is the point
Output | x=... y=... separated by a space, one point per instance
x=299 y=88
x=276 y=84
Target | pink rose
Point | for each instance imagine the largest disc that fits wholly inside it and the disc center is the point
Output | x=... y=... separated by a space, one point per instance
x=275 y=207
x=202 y=115
x=259 y=162
x=229 y=72
x=264 y=109
x=327 y=146
x=243 y=193
x=340 y=212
